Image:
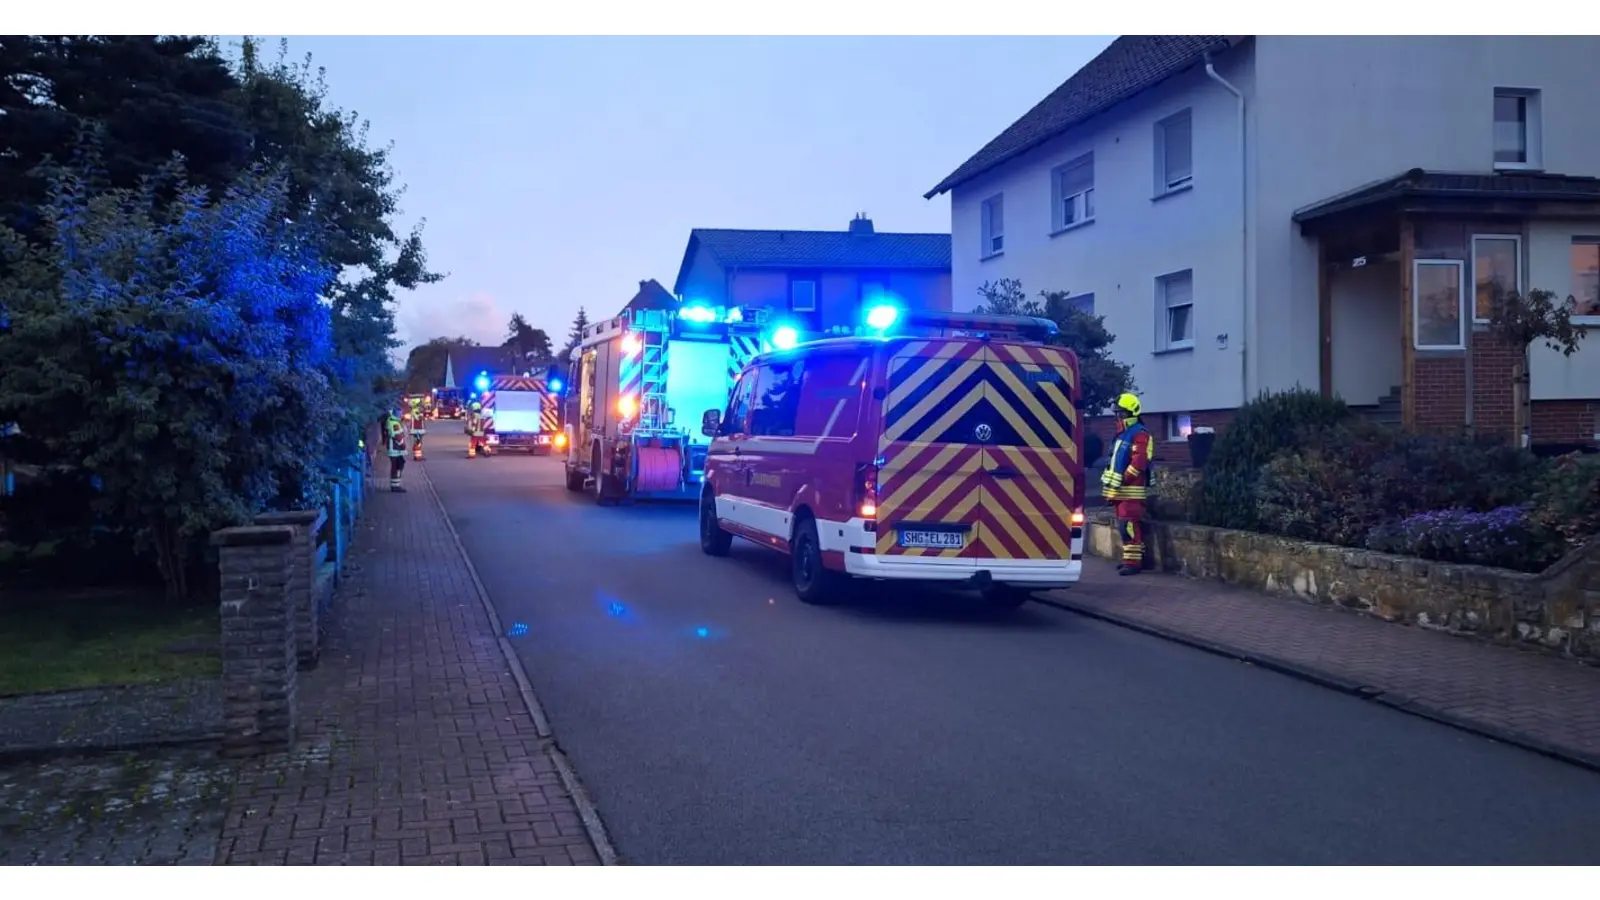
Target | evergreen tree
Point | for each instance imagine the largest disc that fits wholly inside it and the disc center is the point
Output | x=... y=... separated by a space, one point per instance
x=575 y=336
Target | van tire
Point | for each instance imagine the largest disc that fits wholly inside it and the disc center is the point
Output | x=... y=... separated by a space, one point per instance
x=1002 y=598
x=575 y=479
x=813 y=583
x=714 y=541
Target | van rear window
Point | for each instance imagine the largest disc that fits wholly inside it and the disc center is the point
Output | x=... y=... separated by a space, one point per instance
x=998 y=402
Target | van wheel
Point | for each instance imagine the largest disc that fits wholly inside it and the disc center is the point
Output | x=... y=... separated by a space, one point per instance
x=813 y=583
x=1004 y=597
x=713 y=540
x=575 y=480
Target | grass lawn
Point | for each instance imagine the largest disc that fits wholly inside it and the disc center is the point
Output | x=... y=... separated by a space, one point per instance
x=58 y=640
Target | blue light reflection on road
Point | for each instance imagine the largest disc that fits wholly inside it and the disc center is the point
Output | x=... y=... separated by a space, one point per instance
x=614 y=608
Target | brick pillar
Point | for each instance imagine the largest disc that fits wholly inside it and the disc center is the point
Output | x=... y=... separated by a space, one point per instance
x=259 y=674
x=302 y=576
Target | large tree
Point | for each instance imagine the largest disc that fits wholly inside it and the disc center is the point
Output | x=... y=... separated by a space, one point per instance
x=336 y=177
x=532 y=345
x=147 y=97
x=1082 y=331
x=174 y=347
x=425 y=363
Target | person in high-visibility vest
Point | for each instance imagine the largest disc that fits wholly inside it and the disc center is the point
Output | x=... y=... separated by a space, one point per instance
x=1126 y=481
x=395 y=439
x=477 y=431
x=419 y=428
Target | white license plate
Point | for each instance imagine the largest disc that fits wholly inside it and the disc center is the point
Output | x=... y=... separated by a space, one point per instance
x=938 y=539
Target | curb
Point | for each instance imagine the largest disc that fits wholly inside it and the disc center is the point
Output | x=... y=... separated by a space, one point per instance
x=1338 y=683
x=587 y=812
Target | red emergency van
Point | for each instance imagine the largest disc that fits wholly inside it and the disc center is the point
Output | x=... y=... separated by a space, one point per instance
x=950 y=450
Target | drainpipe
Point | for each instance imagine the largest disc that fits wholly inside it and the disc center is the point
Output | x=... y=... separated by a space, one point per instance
x=1244 y=236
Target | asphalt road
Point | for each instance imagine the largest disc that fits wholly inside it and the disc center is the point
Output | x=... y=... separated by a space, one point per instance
x=716 y=720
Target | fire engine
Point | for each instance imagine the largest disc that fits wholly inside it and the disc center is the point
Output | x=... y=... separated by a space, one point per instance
x=639 y=383
x=522 y=412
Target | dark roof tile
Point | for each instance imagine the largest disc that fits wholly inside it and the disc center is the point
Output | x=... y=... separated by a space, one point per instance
x=1131 y=65
x=739 y=248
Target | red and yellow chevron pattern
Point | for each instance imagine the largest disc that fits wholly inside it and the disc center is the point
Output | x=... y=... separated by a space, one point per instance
x=981 y=438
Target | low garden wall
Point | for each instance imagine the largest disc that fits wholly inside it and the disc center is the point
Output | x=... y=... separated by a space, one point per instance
x=1557 y=610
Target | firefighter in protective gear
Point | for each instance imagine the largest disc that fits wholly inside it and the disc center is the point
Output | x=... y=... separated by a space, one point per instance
x=395 y=441
x=477 y=431
x=419 y=427
x=1126 y=481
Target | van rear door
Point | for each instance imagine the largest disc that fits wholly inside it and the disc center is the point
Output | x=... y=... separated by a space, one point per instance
x=930 y=470
x=1032 y=457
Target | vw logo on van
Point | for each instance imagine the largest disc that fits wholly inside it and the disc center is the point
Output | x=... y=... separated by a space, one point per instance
x=983 y=433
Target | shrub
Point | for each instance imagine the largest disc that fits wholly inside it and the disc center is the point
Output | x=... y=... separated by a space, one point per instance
x=1355 y=477
x=1567 y=500
x=1506 y=537
x=1260 y=430
x=1430 y=472
x=1172 y=494
x=1312 y=496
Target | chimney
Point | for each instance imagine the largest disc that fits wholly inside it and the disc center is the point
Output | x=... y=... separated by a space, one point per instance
x=861 y=224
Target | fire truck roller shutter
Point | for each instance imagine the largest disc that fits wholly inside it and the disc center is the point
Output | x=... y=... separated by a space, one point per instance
x=698 y=381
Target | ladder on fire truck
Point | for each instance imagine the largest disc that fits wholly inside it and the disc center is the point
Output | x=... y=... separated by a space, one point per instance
x=654 y=327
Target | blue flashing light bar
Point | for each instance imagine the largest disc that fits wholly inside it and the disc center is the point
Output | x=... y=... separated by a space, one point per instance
x=698 y=312
x=785 y=337
x=482 y=383
x=706 y=314
x=882 y=316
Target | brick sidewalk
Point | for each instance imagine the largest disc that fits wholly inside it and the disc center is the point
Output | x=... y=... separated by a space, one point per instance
x=415 y=746
x=1550 y=705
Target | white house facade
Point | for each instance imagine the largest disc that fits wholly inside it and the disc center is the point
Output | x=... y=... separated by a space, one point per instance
x=1241 y=210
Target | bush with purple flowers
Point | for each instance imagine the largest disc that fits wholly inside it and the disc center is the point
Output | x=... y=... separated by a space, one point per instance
x=1506 y=537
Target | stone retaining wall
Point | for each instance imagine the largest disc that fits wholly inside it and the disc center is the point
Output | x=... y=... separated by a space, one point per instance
x=1558 y=609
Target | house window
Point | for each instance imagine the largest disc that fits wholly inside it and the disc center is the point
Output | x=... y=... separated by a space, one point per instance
x=1496 y=268
x=1175 y=311
x=1517 y=129
x=1586 y=279
x=1174 y=152
x=994 y=226
x=803 y=296
x=1178 y=426
x=1074 y=192
x=1436 y=305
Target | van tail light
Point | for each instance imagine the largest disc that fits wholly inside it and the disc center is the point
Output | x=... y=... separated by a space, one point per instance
x=1077 y=519
x=866 y=491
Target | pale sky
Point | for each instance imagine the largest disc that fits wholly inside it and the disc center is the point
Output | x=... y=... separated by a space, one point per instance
x=558 y=172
